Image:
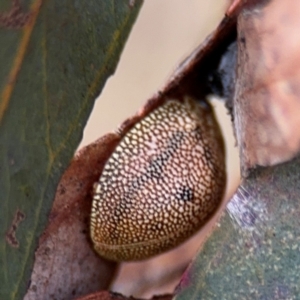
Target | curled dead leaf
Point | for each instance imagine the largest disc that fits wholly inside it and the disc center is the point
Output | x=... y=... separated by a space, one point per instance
x=266 y=102
x=65 y=263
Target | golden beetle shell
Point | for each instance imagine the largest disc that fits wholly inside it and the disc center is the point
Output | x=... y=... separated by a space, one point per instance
x=163 y=181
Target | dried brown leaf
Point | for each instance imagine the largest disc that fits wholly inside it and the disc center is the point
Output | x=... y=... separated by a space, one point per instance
x=65 y=262
x=267 y=90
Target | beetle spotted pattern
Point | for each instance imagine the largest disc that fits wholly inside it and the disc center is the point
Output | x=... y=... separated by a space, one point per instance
x=163 y=181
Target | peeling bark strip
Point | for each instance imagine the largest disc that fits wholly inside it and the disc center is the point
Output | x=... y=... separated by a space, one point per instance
x=14 y=18
x=11 y=233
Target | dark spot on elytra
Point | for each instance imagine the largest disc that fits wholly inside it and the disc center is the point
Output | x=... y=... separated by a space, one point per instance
x=185 y=193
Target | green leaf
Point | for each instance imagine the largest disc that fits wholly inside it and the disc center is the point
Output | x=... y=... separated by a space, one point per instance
x=55 y=58
x=254 y=254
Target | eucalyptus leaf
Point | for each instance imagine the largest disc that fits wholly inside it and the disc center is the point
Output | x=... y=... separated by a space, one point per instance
x=254 y=252
x=55 y=58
